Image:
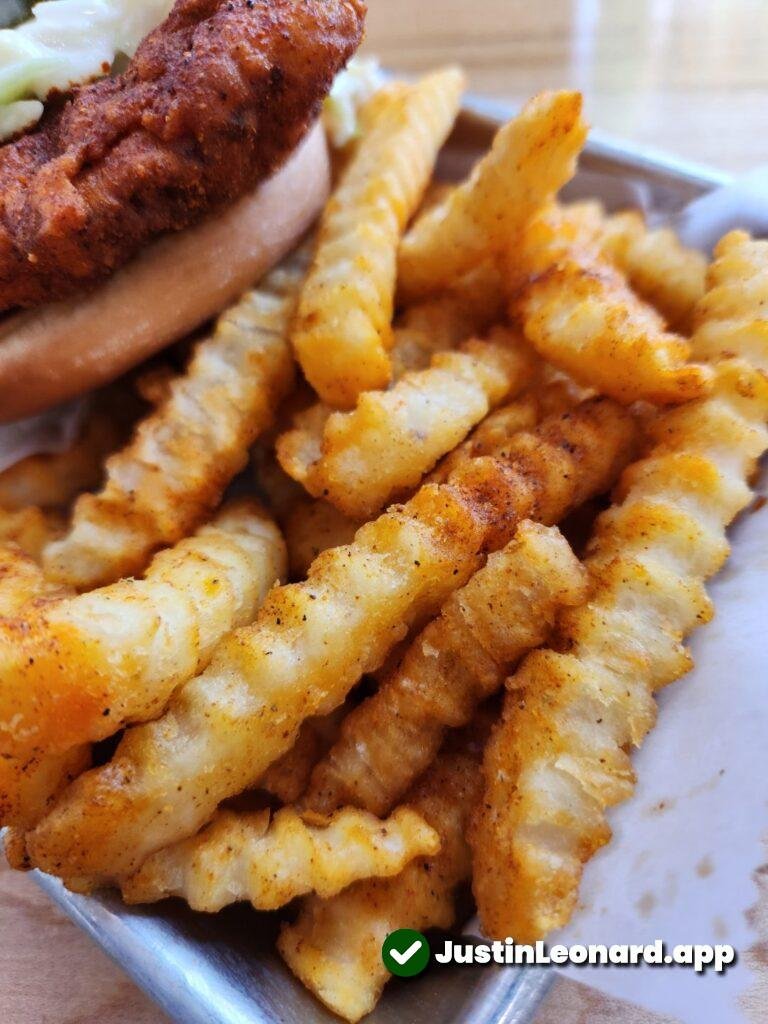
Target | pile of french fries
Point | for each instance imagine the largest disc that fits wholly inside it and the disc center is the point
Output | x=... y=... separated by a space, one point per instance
x=396 y=651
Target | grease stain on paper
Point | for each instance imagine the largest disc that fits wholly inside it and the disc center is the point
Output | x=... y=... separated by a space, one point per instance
x=646 y=904
x=755 y=999
x=705 y=867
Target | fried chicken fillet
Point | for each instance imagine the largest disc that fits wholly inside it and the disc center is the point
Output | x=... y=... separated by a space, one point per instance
x=213 y=101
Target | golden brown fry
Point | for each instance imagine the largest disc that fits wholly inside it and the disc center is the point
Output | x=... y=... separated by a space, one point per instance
x=22 y=581
x=312 y=641
x=269 y=863
x=551 y=394
x=174 y=471
x=342 y=332
x=560 y=756
x=30 y=529
x=311 y=528
x=580 y=314
x=29 y=787
x=461 y=658
x=489 y=437
x=532 y=158
x=288 y=776
x=79 y=668
x=732 y=318
x=659 y=267
x=381 y=449
x=437 y=325
x=423 y=331
x=420 y=333
x=655 y=262
x=334 y=947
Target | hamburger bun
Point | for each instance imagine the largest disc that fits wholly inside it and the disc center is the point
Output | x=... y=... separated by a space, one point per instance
x=57 y=351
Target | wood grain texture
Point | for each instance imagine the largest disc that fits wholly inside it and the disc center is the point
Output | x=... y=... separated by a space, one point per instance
x=571 y=1002
x=51 y=972
x=688 y=76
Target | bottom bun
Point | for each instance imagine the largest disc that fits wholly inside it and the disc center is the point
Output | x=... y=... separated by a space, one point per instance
x=55 y=352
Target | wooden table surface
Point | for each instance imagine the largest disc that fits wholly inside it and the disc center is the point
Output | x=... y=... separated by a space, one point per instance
x=688 y=76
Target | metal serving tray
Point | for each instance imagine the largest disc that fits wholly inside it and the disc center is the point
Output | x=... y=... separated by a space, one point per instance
x=222 y=969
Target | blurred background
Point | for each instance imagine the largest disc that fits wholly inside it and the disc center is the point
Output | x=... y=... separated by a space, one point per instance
x=686 y=76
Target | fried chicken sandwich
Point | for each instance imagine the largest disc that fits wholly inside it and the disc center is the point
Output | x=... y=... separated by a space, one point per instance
x=136 y=206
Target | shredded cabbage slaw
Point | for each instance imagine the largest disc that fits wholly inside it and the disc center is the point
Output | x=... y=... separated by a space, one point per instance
x=64 y=43
x=352 y=87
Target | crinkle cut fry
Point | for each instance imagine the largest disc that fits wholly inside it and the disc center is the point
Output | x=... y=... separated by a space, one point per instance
x=288 y=776
x=419 y=333
x=490 y=435
x=247 y=856
x=549 y=396
x=342 y=332
x=172 y=474
x=22 y=582
x=311 y=527
x=732 y=317
x=29 y=788
x=531 y=159
x=458 y=660
x=560 y=756
x=439 y=323
x=77 y=669
x=676 y=505
x=29 y=528
x=658 y=266
x=579 y=313
x=382 y=448
x=334 y=947
x=312 y=641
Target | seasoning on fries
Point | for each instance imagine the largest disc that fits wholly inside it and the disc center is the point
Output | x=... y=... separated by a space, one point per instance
x=493 y=358
x=382 y=448
x=580 y=314
x=457 y=661
x=531 y=159
x=560 y=756
x=312 y=641
x=173 y=472
x=271 y=860
x=343 y=329
x=334 y=946
x=79 y=668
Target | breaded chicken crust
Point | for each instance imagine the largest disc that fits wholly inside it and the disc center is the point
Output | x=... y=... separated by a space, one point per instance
x=213 y=101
